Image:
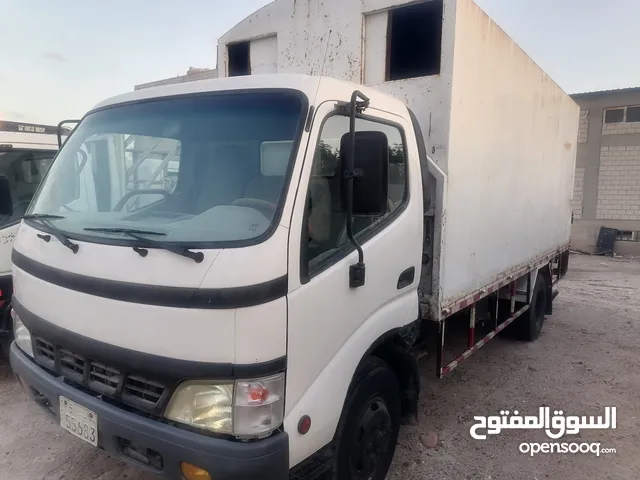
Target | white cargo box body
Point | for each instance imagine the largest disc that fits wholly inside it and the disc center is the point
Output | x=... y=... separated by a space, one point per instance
x=502 y=135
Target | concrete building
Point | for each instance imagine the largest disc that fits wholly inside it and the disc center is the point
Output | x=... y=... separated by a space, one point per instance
x=192 y=74
x=607 y=179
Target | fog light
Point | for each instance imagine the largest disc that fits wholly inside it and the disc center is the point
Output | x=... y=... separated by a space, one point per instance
x=191 y=472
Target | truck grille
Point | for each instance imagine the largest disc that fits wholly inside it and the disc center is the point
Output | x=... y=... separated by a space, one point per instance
x=129 y=388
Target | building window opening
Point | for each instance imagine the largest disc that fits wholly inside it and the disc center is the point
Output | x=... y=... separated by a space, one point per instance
x=633 y=114
x=414 y=40
x=239 y=59
x=628 y=236
x=614 y=115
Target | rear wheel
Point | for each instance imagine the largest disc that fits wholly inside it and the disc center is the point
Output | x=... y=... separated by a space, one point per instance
x=368 y=434
x=529 y=326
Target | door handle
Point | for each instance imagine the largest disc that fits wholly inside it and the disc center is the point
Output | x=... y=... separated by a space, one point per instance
x=406 y=278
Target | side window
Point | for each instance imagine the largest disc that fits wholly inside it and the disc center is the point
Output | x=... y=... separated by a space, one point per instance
x=326 y=220
x=23 y=170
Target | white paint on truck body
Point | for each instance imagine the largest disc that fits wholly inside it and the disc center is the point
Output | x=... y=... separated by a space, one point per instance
x=322 y=326
x=204 y=335
x=30 y=141
x=512 y=151
x=502 y=134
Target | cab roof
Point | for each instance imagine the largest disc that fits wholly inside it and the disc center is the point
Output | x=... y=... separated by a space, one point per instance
x=325 y=87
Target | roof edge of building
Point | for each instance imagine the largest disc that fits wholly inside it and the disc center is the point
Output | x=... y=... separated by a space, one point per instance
x=599 y=93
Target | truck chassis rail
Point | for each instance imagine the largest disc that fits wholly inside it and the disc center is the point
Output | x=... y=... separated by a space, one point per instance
x=557 y=263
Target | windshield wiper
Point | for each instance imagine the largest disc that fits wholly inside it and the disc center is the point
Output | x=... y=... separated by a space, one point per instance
x=123 y=230
x=42 y=215
x=44 y=218
x=197 y=257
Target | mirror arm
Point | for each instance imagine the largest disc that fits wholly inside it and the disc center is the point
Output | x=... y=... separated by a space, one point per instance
x=60 y=128
x=357 y=271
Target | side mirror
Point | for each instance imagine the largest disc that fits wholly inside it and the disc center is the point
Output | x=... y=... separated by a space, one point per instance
x=370 y=171
x=6 y=202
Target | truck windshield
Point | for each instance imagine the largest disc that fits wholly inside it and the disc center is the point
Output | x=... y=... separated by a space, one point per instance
x=203 y=169
x=24 y=169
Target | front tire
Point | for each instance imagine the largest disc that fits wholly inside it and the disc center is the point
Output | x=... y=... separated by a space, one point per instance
x=367 y=437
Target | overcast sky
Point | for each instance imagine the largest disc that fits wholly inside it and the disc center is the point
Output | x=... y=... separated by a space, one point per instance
x=57 y=59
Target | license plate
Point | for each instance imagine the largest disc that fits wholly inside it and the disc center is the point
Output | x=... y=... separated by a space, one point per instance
x=80 y=421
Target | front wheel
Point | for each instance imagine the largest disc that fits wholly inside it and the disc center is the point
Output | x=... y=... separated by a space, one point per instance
x=367 y=438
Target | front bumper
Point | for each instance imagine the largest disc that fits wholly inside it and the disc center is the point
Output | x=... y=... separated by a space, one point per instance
x=119 y=430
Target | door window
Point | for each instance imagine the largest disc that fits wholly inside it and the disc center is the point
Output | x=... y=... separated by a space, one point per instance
x=326 y=221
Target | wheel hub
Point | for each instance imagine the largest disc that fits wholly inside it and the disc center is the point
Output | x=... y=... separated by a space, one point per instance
x=371 y=441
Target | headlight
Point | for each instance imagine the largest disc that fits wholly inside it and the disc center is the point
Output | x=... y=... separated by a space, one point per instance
x=246 y=408
x=203 y=405
x=21 y=334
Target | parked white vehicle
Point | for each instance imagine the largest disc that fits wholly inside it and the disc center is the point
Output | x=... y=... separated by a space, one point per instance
x=26 y=152
x=262 y=315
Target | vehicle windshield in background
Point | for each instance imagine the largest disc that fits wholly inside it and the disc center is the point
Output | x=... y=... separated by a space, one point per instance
x=24 y=169
x=198 y=169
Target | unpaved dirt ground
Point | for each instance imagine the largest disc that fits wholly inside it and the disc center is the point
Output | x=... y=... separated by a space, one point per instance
x=587 y=358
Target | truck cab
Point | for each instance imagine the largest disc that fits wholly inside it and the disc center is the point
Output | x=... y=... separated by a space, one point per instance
x=26 y=153
x=250 y=312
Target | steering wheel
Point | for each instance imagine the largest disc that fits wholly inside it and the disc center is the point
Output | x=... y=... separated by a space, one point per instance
x=262 y=206
x=133 y=193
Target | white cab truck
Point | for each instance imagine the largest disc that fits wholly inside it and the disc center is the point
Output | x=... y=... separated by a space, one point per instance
x=262 y=316
x=26 y=152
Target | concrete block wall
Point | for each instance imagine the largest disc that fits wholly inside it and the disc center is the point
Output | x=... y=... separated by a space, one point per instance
x=620 y=128
x=619 y=183
x=607 y=177
x=578 y=190
x=584 y=126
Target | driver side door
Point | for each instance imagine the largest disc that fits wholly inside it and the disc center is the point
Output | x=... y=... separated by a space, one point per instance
x=330 y=325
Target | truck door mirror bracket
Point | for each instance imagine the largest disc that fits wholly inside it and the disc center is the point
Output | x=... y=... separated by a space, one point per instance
x=365 y=166
x=66 y=131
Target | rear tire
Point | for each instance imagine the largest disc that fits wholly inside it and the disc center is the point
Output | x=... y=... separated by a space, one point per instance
x=368 y=431
x=529 y=326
